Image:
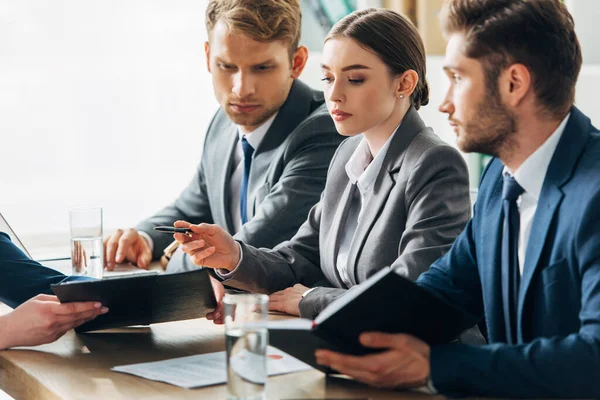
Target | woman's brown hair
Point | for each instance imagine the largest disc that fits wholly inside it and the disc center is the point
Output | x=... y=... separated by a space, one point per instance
x=393 y=38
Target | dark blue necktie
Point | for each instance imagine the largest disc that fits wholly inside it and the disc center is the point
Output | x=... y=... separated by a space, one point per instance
x=248 y=151
x=510 y=256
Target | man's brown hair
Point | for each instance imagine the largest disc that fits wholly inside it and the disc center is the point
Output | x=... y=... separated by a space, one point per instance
x=539 y=34
x=261 y=20
x=393 y=38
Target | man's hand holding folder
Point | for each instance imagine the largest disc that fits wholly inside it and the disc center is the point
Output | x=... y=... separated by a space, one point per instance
x=403 y=363
x=380 y=325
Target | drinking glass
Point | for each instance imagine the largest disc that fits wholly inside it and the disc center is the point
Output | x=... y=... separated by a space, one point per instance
x=87 y=252
x=246 y=340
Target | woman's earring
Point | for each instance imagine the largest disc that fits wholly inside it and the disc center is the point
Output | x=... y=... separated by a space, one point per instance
x=401 y=96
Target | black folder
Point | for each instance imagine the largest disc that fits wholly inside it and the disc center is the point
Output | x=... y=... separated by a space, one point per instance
x=386 y=302
x=144 y=299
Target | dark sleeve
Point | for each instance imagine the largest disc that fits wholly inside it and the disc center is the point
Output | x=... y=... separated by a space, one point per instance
x=455 y=276
x=555 y=367
x=319 y=298
x=22 y=278
x=546 y=367
x=296 y=261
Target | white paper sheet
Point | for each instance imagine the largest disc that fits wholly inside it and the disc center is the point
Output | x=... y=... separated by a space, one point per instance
x=206 y=369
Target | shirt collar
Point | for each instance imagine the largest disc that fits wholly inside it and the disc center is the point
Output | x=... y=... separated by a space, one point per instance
x=362 y=168
x=531 y=174
x=256 y=136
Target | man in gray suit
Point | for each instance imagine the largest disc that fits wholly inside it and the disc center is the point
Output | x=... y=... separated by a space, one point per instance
x=268 y=147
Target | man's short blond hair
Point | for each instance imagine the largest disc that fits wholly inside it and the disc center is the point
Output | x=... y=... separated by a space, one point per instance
x=261 y=20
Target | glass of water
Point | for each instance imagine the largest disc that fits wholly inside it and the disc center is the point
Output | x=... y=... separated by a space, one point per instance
x=246 y=339
x=87 y=252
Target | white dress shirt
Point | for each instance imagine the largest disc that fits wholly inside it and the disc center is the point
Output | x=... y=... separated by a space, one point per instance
x=530 y=176
x=254 y=138
x=362 y=170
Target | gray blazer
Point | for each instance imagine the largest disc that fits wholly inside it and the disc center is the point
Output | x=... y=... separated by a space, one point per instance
x=288 y=174
x=419 y=205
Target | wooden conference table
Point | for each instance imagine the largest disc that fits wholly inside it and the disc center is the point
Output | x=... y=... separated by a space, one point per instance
x=78 y=367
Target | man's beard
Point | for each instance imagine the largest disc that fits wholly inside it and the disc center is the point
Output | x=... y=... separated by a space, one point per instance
x=492 y=132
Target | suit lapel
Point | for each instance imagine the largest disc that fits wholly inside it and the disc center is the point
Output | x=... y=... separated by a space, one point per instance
x=560 y=170
x=550 y=198
x=291 y=114
x=295 y=109
x=257 y=172
x=332 y=242
x=224 y=181
x=371 y=211
x=386 y=179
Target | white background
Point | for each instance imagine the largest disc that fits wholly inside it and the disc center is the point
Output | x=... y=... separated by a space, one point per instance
x=101 y=102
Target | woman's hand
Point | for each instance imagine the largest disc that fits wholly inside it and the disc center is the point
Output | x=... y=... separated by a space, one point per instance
x=287 y=300
x=209 y=246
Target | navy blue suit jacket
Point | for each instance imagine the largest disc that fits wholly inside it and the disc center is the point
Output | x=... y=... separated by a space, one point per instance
x=558 y=354
x=22 y=278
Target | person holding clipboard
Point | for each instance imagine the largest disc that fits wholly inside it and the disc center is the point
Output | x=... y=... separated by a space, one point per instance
x=40 y=319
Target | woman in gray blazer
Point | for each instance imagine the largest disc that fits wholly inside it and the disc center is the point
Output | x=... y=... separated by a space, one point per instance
x=396 y=194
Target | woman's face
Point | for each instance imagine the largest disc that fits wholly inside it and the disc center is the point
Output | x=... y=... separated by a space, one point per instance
x=359 y=90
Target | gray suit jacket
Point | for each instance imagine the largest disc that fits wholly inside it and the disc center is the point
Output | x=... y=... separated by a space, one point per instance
x=418 y=206
x=287 y=176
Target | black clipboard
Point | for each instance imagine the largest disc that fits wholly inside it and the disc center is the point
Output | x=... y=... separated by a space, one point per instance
x=143 y=299
x=386 y=302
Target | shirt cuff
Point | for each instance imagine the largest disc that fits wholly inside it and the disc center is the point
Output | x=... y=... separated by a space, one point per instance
x=307 y=292
x=225 y=274
x=148 y=239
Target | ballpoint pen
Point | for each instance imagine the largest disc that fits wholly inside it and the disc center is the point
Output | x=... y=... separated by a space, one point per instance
x=171 y=229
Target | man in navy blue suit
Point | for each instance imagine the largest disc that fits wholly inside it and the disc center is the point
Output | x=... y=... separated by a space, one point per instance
x=40 y=319
x=529 y=260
